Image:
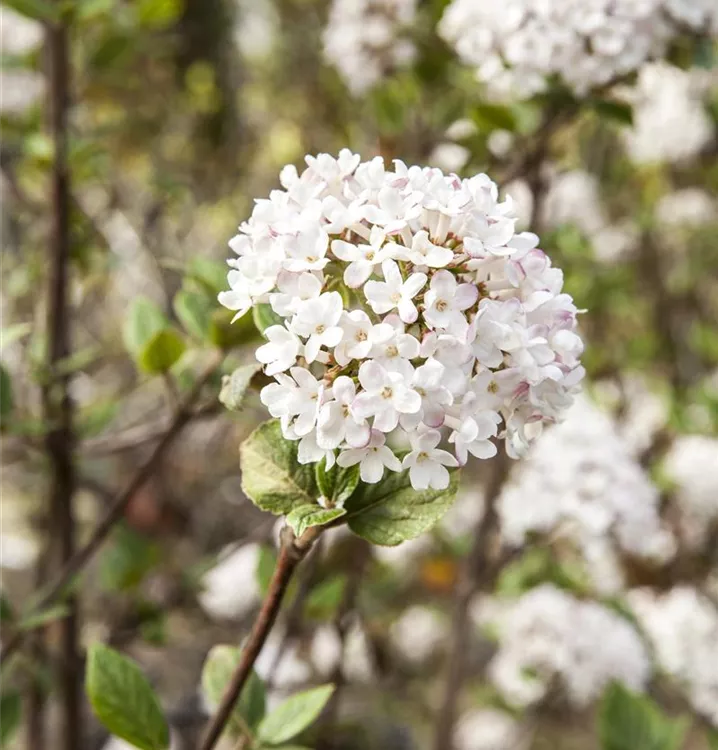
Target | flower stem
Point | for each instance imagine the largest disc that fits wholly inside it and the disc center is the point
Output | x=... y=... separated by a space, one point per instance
x=292 y=551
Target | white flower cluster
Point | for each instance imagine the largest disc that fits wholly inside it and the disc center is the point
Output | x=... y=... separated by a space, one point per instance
x=363 y=40
x=682 y=626
x=405 y=301
x=549 y=640
x=518 y=46
x=586 y=486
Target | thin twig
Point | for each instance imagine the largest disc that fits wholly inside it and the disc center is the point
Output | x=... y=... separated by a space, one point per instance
x=476 y=572
x=117 y=510
x=291 y=553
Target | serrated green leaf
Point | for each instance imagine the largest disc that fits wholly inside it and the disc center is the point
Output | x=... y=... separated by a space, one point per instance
x=123 y=699
x=10 y=714
x=293 y=716
x=264 y=317
x=391 y=511
x=161 y=351
x=337 y=484
x=194 y=311
x=235 y=386
x=144 y=320
x=38 y=10
x=216 y=675
x=306 y=516
x=272 y=478
x=6 y=398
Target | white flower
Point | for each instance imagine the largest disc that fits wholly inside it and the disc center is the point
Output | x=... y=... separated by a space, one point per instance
x=427 y=463
x=392 y=348
x=446 y=300
x=427 y=381
x=472 y=436
x=362 y=258
x=293 y=290
x=307 y=250
x=394 y=292
x=372 y=459
x=318 y=319
x=423 y=252
x=337 y=422
x=281 y=351
x=385 y=396
x=298 y=397
x=358 y=337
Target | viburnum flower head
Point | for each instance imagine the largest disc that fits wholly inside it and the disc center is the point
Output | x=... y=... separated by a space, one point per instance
x=408 y=312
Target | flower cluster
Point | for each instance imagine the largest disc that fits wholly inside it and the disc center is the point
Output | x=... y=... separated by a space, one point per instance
x=518 y=45
x=682 y=626
x=550 y=639
x=404 y=302
x=586 y=486
x=364 y=41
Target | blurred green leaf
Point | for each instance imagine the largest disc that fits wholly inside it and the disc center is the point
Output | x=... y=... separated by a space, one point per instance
x=194 y=312
x=87 y=10
x=161 y=351
x=304 y=517
x=225 y=334
x=265 y=317
x=235 y=386
x=37 y=10
x=110 y=50
x=6 y=397
x=265 y=567
x=488 y=117
x=144 y=320
x=46 y=616
x=210 y=273
x=611 y=109
x=14 y=333
x=127 y=559
x=93 y=419
x=217 y=672
x=326 y=597
x=158 y=14
x=123 y=699
x=294 y=715
x=10 y=715
x=7 y=613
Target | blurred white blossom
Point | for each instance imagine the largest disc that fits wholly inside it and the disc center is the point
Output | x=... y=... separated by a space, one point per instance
x=487 y=729
x=221 y=596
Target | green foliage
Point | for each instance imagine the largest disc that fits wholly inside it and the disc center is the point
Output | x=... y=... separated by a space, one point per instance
x=6 y=398
x=44 y=617
x=162 y=351
x=264 y=317
x=10 y=714
x=265 y=567
x=326 y=597
x=235 y=386
x=216 y=675
x=123 y=699
x=158 y=14
x=489 y=116
x=127 y=559
x=613 y=110
x=294 y=715
x=391 y=511
x=37 y=10
x=272 y=478
x=194 y=311
x=304 y=517
x=144 y=320
x=7 y=613
x=338 y=484
x=628 y=721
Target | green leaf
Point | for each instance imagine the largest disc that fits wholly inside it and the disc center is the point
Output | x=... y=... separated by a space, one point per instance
x=337 y=484
x=6 y=399
x=38 y=10
x=127 y=559
x=326 y=597
x=123 y=699
x=51 y=614
x=225 y=334
x=391 y=511
x=211 y=274
x=235 y=386
x=264 y=317
x=14 y=333
x=490 y=117
x=161 y=351
x=611 y=109
x=10 y=714
x=272 y=478
x=265 y=567
x=158 y=14
x=216 y=675
x=293 y=716
x=712 y=738
x=306 y=516
x=194 y=312
x=628 y=721
x=144 y=320
x=7 y=614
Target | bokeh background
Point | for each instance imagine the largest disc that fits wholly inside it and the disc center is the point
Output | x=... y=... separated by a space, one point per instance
x=599 y=555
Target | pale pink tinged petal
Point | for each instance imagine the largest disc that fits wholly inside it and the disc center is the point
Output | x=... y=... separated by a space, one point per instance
x=374 y=214
x=444 y=457
x=350 y=457
x=438 y=257
x=372 y=376
x=466 y=295
x=482 y=449
x=309 y=286
x=345 y=250
x=408 y=346
x=409 y=460
x=389 y=459
x=462 y=455
x=344 y=389
x=304 y=423
x=334 y=307
x=330 y=417
x=410 y=422
x=357 y=273
x=379 y=296
x=440 y=478
x=372 y=468
x=328 y=440
x=332 y=336
x=357 y=435
x=420 y=475
x=311 y=348
x=434 y=416
x=443 y=284
x=406 y=401
x=366 y=405
x=391 y=272
x=414 y=283
x=407 y=311
x=382 y=332
x=428 y=441
x=386 y=420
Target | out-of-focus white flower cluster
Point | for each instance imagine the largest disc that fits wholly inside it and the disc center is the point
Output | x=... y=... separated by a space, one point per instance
x=489 y=729
x=405 y=301
x=584 y=484
x=365 y=39
x=517 y=46
x=682 y=626
x=549 y=640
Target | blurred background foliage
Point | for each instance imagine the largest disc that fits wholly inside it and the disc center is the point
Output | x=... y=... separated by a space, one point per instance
x=181 y=113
